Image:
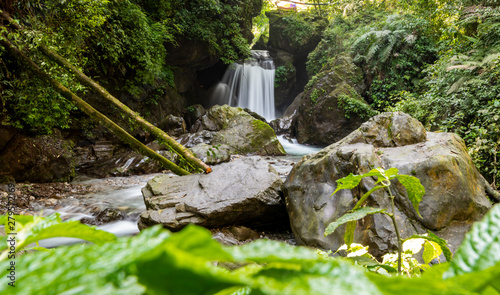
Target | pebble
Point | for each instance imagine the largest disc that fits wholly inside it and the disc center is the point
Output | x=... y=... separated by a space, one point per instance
x=50 y=202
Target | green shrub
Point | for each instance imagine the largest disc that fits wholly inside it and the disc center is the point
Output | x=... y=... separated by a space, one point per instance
x=464 y=100
x=282 y=73
x=353 y=106
x=393 y=54
x=159 y=262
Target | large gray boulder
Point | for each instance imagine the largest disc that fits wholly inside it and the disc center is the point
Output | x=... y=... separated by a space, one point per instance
x=246 y=191
x=455 y=195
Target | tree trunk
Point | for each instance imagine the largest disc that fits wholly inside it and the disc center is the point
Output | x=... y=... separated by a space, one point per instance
x=163 y=137
x=93 y=113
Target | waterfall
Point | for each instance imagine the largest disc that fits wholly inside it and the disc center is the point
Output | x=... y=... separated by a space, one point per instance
x=249 y=84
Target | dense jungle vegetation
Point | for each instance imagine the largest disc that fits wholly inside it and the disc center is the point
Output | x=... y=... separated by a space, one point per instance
x=435 y=60
x=438 y=61
x=120 y=43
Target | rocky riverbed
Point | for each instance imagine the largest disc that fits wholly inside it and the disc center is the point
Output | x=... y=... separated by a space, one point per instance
x=114 y=199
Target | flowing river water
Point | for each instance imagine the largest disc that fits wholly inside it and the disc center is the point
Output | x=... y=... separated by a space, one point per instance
x=123 y=195
x=248 y=84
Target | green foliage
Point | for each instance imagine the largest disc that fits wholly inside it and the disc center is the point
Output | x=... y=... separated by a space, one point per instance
x=481 y=247
x=121 y=43
x=461 y=95
x=316 y=93
x=432 y=238
x=353 y=216
x=158 y=262
x=414 y=189
x=298 y=29
x=213 y=22
x=460 y=91
x=31 y=229
x=130 y=47
x=282 y=72
x=353 y=106
x=409 y=264
x=30 y=104
x=260 y=23
x=393 y=53
x=333 y=42
x=301 y=26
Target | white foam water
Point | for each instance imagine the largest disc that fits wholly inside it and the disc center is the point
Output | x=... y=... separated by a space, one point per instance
x=249 y=85
x=296 y=149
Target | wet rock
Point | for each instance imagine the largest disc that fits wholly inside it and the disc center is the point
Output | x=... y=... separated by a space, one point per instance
x=225 y=238
x=125 y=162
x=103 y=149
x=174 y=126
x=44 y=158
x=282 y=125
x=194 y=113
x=109 y=215
x=50 y=202
x=202 y=137
x=246 y=191
x=212 y=154
x=6 y=134
x=454 y=198
x=389 y=130
x=321 y=118
x=235 y=235
x=243 y=233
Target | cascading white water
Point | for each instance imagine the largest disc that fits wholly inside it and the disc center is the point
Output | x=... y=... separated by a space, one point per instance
x=249 y=85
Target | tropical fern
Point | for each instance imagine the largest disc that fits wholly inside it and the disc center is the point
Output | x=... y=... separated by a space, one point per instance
x=376 y=46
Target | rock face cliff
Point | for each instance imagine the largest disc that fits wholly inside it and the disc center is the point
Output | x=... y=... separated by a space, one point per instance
x=291 y=38
x=454 y=198
x=330 y=107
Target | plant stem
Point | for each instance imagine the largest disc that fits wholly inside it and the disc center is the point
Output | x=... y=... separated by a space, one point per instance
x=393 y=217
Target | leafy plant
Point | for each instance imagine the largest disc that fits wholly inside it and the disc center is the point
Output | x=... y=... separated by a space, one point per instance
x=282 y=72
x=31 y=229
x=415 y=192
x=316 y=93
x=353 y=106
x=409 y=265
x=159 y=262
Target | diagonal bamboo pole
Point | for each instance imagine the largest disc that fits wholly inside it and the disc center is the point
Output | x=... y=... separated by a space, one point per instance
x=157 y=132
x=91 y=112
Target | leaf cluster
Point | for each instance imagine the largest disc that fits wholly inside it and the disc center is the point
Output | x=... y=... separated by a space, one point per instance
x=159 y=262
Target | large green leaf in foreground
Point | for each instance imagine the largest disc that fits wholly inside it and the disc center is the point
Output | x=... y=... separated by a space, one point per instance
x=481 y=247
x=158 y=262
x=31 y=229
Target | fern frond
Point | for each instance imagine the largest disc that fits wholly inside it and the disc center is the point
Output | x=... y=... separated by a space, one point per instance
x=372 y=51
x=365 y=39
x=489 y=59
x=456 y=86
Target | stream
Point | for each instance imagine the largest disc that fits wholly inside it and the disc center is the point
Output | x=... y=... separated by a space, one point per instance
x=123 y=195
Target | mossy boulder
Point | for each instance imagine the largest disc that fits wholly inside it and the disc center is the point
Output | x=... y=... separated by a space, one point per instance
x=236 y=129
x=455 y=191
x=46 y=158
x=331 y=106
